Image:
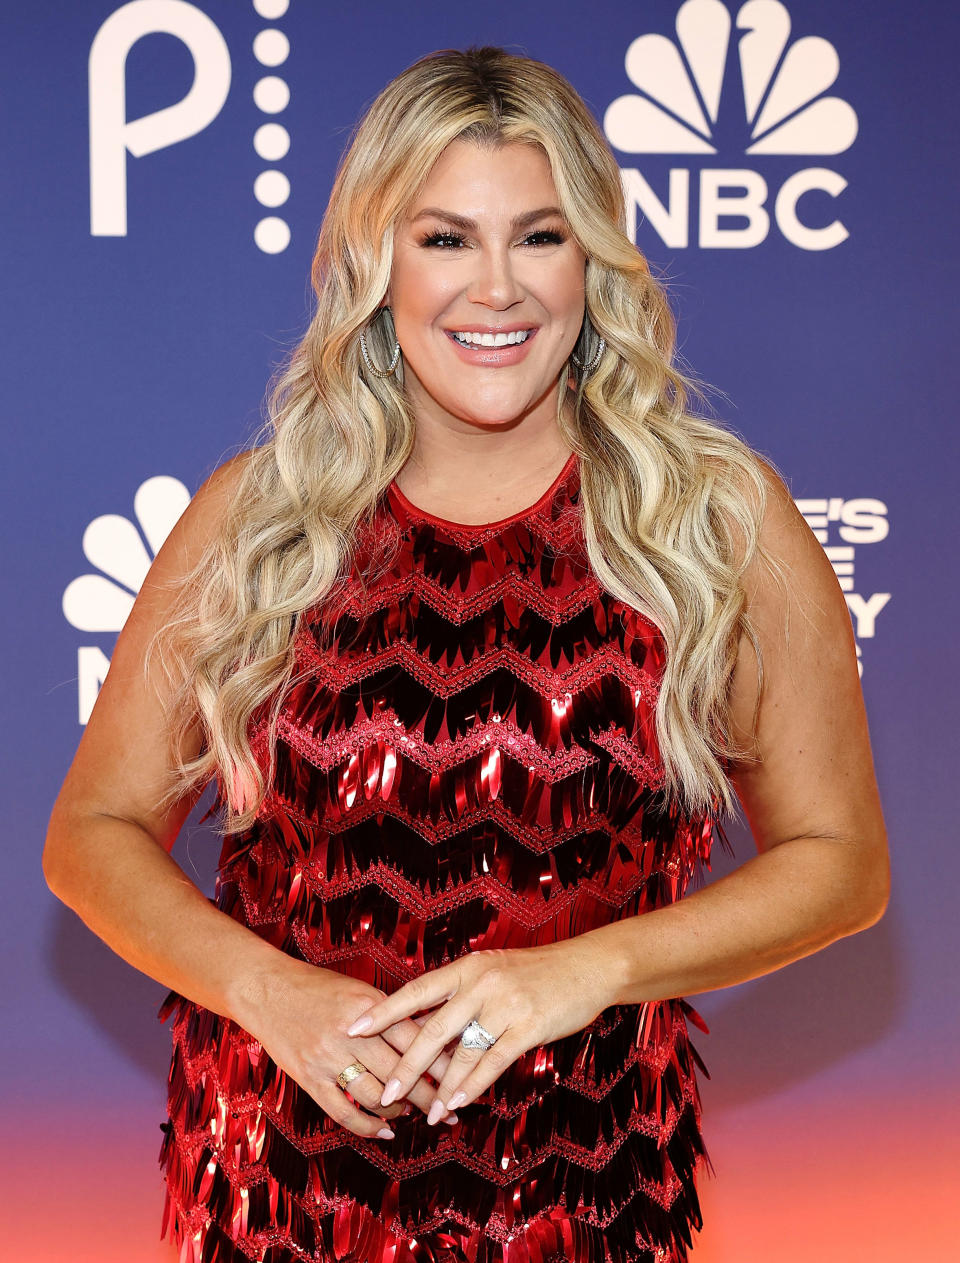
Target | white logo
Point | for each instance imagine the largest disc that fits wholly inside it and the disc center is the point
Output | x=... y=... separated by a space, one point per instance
x=98 y=603
x=113 y=135
x=784 y=108
x=859 y=521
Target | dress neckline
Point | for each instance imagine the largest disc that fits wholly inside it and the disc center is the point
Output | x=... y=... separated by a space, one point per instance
x=422 y=515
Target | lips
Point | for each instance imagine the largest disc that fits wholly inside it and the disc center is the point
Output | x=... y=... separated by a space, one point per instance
x=514 y=328
x=492 y=356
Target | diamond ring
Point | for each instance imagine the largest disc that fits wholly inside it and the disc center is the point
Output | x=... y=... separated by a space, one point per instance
x=476 y=1036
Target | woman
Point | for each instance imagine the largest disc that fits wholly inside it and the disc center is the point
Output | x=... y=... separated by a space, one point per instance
x=478 y=644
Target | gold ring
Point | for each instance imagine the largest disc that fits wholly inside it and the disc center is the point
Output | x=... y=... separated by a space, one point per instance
x=353 y=1071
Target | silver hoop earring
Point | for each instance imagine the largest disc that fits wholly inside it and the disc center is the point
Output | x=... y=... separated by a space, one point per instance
x=379 y=372
x=586 y=369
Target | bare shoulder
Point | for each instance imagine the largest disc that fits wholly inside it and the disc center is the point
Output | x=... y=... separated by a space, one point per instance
x=788 y=579
x=813 y=775
x=203 y=516
x=786 y=538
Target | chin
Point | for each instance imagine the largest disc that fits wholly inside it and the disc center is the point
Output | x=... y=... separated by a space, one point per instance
x=494 y=415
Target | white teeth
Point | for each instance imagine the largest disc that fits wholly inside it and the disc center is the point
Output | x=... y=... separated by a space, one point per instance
x=493 y=339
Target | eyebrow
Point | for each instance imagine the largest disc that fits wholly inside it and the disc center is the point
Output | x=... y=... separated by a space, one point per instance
x=470 y=225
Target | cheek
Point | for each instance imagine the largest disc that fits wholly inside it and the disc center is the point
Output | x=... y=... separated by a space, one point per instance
x=421 y=288
x=564 y=296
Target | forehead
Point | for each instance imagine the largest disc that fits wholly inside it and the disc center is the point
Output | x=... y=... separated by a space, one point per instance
x=488 y=182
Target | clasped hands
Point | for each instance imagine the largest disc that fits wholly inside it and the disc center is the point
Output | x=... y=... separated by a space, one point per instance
x=524 y=996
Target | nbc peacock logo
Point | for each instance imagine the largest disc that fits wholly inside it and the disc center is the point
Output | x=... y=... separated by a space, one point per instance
x=122 y=551
x=785 y=111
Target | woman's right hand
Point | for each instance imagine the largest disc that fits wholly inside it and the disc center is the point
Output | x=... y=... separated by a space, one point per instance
x=302 y=1025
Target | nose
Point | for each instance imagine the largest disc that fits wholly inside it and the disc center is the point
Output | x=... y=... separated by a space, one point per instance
x=494 y=283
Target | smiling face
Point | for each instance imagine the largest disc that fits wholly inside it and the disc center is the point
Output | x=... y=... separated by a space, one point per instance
x=481 y=250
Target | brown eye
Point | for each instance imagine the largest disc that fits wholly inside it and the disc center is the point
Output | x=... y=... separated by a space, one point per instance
x=435 y=239
x=551 y=237
x=440 y=239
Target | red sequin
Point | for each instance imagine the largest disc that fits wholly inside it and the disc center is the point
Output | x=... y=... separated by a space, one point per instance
x=469 y=761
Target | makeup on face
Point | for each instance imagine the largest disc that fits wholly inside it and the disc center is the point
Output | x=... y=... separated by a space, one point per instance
x=486 y=275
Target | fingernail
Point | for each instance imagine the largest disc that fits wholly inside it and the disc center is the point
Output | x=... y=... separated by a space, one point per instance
x=437 y=1110
x=386 y=1133
x=360 y=1025
x=451 y=1119
x=390 y=1092
x=458 y=1098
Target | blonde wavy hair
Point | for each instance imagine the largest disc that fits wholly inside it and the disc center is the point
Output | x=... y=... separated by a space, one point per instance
x=671 y=501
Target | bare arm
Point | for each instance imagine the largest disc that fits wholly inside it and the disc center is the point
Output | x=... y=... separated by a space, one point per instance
x=135 y=897
x=107 y=856
x=107 y=849
x=823 y=869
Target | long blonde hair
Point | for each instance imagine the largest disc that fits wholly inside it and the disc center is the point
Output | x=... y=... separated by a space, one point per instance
x=671 y=501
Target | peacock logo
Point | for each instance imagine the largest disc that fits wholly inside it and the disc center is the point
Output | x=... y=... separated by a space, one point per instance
x=677 y=105
x=122 y=552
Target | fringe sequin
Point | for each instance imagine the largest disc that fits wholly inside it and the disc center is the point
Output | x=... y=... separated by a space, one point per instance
x=467 y=761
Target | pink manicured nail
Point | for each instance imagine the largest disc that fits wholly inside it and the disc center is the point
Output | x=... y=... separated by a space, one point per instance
x=386 y=1133
x=437 y=1110
x=391 y=1091
x=450 y=1119
x=457 y=1099
x=360 y=1025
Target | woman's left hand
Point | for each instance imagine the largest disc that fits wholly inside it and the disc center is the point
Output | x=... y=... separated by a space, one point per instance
x=525 y=996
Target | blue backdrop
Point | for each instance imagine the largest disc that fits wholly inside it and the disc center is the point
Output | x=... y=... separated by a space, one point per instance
x=791 y=174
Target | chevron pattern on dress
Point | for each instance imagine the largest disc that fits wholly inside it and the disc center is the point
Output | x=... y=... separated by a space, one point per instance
x=466 y=760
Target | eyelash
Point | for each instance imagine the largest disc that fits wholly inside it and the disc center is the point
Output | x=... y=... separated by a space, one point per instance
x=434 y=238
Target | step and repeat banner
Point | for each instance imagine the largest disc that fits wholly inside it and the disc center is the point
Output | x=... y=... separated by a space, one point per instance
x=790 y=172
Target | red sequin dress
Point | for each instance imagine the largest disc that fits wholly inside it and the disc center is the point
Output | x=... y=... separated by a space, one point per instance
x=470 y=762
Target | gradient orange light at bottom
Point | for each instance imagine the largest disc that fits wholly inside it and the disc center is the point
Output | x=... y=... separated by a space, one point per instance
x=869 y=1180
x=82 y=1185
x=872 y=1180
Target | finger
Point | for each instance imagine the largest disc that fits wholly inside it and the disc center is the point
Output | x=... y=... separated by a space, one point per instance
x=334 y=1102
x=440 y=1027
x=462 y=1063
x=484 y=1072
x=422 y=992
x=366 y=1090
x=380 y=1058
x=400 y=1036
x=421 y=1096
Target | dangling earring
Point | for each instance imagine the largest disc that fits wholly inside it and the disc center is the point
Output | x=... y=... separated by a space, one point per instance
x=586 y=369
x=379 y=372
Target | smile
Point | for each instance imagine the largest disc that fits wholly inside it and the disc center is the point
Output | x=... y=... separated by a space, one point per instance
x=491 y=350
x=491 y=339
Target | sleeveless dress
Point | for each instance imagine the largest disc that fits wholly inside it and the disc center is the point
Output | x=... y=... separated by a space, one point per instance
x=468 y=761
